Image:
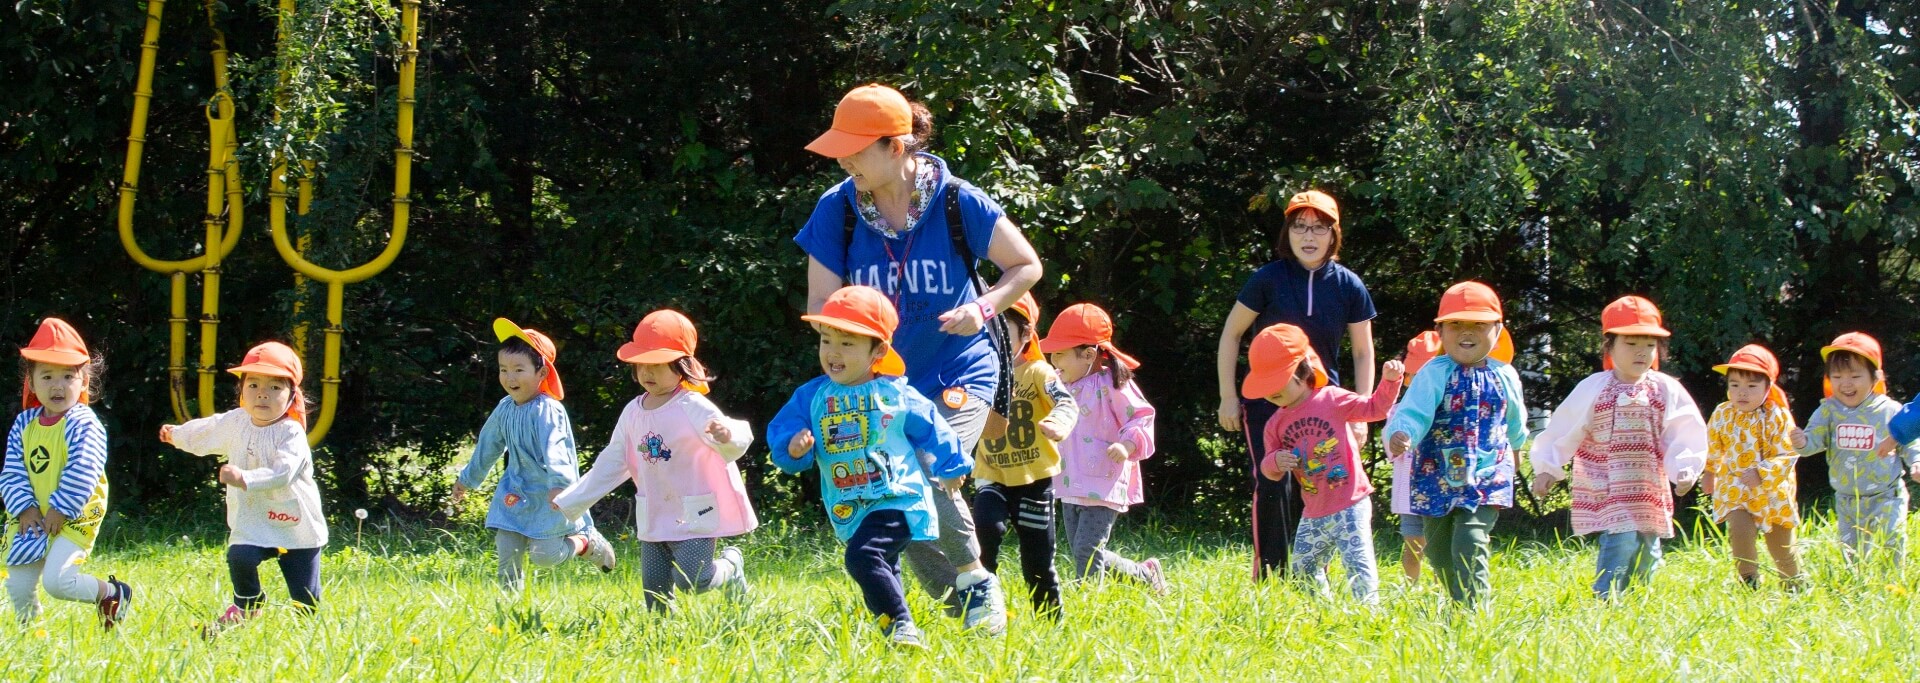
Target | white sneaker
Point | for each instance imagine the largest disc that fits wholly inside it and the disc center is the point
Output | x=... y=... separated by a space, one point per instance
x=599 y=550
x=736 y=585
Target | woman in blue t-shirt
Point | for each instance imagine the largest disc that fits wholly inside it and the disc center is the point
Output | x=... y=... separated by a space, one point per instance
x=1307 y=287
x=900 y=243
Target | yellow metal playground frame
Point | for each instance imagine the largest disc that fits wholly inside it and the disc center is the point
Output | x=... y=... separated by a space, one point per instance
x=225 y=196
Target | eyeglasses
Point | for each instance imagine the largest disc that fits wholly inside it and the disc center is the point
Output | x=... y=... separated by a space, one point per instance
x=1304 y=228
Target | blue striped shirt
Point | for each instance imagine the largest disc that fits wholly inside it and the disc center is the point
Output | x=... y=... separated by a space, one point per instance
x=86 y=466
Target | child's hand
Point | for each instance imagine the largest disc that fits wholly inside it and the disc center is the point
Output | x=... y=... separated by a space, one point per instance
x=30 y=519
x=1118 y=452
x=1707 y=482
x=459 y=491
x=53 y=522
x=1682 y=488
x=1886 y=448
x=1053 y=432
x=1798 y=438
x=1542 y=485
x=953 y=484
x=801 y=444
x=1393 y=371
x=166 y=434
x=554 y=494
x=1276 y=465
x=1398 y=444
x=1749 y=478
x=718 y=431
x=230 y=476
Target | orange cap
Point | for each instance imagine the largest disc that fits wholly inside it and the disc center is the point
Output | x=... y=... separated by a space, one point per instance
x=1632 y=316
x=55 y=343
x=1028 y=308
x=863 y=310
x=1084 y=325
x=664 y=336
x=1470 y=302
x=1858 y=343
x=504 y=329
x=1316 y=200
x=275 y=359
x=1275 y=355
x=866 y=114
x=1756 y=358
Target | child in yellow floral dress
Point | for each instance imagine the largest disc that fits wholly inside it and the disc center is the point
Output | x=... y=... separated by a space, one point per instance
x=1750 y=461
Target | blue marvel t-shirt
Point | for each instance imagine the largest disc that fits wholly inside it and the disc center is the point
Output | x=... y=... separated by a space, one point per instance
x=1321 y=303
x=932 y=281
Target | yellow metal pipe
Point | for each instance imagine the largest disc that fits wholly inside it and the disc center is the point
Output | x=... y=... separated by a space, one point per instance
x=177 y=349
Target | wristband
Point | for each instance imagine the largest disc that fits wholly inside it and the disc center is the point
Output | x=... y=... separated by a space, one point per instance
x=986 y=312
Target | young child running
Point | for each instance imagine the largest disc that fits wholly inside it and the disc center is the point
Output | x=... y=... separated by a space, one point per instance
x=679 y=450
x=1311 y=440
x=1750 y=462
x=273 y=505
x=1015 y=471
x=1629 y=431
x=55 y=480
x=530 y=427
x=862 y=426
x=1462 y=418
x=1413 y=528
x=1853 y=427
x=1100 y=460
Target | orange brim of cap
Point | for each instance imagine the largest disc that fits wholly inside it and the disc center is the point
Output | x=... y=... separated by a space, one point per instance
x=1470 y=317
x=262 y=369
x=835 y=144
x=889 y=364
x=1640 y=331
x=54 y=357
x=637 y=353
x=1755 y=369
x=1824 y=352
x=1259 y=385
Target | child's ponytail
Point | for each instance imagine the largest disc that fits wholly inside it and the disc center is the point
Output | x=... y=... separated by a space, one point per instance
x=1104 y=360
x=694 y=375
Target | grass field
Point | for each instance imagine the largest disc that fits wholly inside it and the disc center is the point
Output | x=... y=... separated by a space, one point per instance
x=420 y=604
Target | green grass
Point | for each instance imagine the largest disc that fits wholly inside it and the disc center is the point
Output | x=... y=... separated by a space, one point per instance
x=420 y=604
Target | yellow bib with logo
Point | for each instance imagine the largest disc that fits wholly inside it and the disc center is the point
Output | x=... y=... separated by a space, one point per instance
x=45 y=453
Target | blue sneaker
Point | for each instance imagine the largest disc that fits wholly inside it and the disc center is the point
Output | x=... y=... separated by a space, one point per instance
x=902 y=633
x=986 y=607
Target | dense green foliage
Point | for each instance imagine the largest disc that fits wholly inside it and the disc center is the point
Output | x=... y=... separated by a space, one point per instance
x=1752 y=167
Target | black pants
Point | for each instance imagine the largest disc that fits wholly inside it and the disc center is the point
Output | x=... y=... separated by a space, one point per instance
x=873 y=560
x=300 y=567
x=1029 y=508
x=1276 y=504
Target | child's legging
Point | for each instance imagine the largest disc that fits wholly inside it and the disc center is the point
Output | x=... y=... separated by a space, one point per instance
x=1027 y=511
x=936 y=563
x=1460 y=550
x=514 y=549
x=1348 y=532
x=686 y=565
x=1872 y=523
x=1087 y=529
x=300 y=566
x=59 y=571
x=873 y=561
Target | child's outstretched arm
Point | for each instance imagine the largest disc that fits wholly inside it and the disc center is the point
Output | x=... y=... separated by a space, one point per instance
x=1135 y=415
x=929 y=433
x=712 y=425
x=487 y=449
x=1059 y=422
x=1413 y=416
x=610 y=470
x=214 y=435
x=1555 y=446
x=15 y=488
x=1905 y=424
x=790 y=434
x=1817 y=438
x=86 y=464
x=1375 y=406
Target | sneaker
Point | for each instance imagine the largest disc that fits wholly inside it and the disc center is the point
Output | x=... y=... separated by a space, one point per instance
x=228 y=619
x=599 y=550
x=902 y=633
x=117 y=607
x=1156 y=575
x=736 y=585
x=986 y=608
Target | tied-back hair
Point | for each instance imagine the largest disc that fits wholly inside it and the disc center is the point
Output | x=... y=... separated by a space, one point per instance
x=692 y=370
x=1102 y=360
x=921 y=139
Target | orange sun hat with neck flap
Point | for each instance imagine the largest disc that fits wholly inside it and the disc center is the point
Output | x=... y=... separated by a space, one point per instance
x=1757 y=359
x=275 y=359
x=1470 y=302
x=1858 y=343
x=1084 y=325
x=1276 y=353
x=55 y=343
x=865 y=114
x=863 y=310
x=664 y=336
x=1029 y=308
x=1425 y=346
x=1631 y=316
x=504 y=329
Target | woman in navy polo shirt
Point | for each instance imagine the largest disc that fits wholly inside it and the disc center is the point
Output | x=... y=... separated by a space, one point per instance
x=1304 y=286
x=901 y=245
